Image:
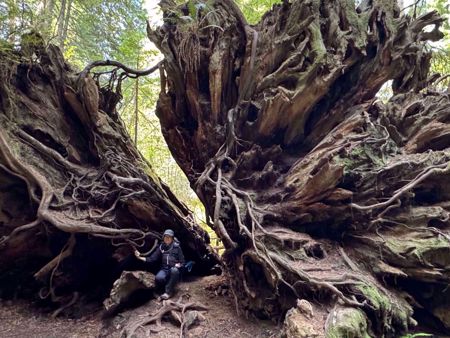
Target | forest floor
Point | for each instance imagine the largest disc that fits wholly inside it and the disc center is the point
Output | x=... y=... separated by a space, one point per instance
x=21 y=318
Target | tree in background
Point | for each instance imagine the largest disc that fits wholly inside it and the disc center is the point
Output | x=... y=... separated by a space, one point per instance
x=441 y=57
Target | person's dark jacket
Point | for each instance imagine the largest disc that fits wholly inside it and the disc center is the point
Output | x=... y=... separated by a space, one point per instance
x=169 y=255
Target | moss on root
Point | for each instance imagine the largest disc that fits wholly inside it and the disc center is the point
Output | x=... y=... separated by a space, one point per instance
x=347 y=323
x=425 y=251
x=395 y=316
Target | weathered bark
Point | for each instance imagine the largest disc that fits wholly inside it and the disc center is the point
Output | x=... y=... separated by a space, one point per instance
x=129 y=284
x=136 y=105
x=318 y=190
x=74 y=191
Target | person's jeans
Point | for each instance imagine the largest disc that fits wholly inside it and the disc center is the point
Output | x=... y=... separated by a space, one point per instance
x=172 y=274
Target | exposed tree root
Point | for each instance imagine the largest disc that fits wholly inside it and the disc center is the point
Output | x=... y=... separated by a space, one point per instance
x=304 y=175
x=184 y=314
x=67 y=152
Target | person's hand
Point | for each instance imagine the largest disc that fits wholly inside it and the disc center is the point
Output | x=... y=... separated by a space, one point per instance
x=139 y=256
x=178 y=265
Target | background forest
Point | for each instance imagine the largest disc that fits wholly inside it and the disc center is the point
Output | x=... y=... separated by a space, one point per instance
x=88 y=30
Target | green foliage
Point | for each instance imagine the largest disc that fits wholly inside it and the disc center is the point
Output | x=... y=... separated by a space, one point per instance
x=440 y=63
x=254 y=9
x=16 y=16
x=107 y=30
x=89 y=29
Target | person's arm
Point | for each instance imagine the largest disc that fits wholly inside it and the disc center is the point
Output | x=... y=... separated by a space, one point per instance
x=139 y=256
x=180 y=256
x=156 y=255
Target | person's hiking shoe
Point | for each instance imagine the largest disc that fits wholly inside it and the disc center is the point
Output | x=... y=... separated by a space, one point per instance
x=165 y=296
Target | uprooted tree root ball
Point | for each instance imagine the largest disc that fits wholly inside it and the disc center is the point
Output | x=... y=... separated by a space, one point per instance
x=317 y=189
x=326 y=199
x=75 y=194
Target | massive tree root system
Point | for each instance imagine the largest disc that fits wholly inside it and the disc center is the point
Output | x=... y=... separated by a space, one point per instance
x=317 y=189
x=74 y=191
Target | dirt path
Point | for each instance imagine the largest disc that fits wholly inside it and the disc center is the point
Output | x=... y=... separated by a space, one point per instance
x=20 y=319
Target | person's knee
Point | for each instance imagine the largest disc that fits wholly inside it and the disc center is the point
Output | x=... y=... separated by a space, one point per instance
x=159 y=278
x=175 y=271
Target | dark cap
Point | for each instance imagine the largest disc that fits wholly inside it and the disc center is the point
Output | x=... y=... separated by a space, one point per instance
x=169 y=232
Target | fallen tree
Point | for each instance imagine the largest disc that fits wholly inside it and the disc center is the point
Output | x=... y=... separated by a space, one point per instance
x=76 y=197
x=317 y=189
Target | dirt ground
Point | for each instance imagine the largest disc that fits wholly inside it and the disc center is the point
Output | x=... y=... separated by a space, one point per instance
x=20 y=319
x=23 y=319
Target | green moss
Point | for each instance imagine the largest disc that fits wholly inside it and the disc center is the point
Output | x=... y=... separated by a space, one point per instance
x=393 y=312
x=6 y=47
x=360 y=22
x=317 y=46
x=373 y=294
x=435 y=250
x=359 y=158
x=347 y=323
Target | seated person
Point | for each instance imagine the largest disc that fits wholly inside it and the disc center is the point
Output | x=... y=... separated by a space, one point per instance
x=172 y=259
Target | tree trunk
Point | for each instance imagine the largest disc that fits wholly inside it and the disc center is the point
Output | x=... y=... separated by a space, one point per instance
x=66 y=24
x=45 y=24
x=76 y=197
x=12 y=15
x=136 y=105
x=317 y=190
x=61 y=23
